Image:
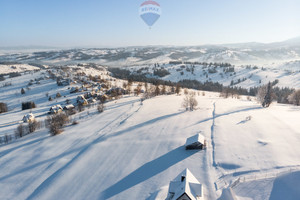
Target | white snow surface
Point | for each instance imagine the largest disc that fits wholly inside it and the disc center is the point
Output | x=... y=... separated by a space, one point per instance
x=133 y=150
x=5 y=69
x=243 y=76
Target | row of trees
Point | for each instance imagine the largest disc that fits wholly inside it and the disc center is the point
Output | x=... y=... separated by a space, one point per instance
x=23 y=130
x=267 y=94
x=281 y=95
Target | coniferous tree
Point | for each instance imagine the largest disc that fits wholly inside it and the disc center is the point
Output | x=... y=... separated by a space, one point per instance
x=22 y=91
x=178 y=89
x=268 y=97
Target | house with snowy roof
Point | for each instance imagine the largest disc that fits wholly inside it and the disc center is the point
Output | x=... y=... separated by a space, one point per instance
x=82 y=100
x=195 y=142
x=28 y=118
x=185 y=187
x=55 y=109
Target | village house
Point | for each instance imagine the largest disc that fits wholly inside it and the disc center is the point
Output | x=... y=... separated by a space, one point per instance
x=55 y=109
x=28 y=118
x=82 y=100
x=185 y=187
x=195 y=142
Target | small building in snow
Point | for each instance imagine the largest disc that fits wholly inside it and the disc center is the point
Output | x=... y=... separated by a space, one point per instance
x=28 y=118
x=55 y=109
x=82 y=100
x=195 y=142
x=69 y=107
x=185 y=186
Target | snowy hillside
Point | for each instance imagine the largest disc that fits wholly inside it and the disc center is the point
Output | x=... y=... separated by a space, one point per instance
x=133 y=150
x=240 y=54
x=287 y=75
x=5 y=69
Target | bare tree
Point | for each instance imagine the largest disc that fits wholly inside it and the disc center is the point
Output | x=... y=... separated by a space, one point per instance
x=56 y=123
x=138 y=89
x=294 y=98
x=146 y=87
x=129 y=84
x=185 y=102
x=189 y=102
x=100 y=107
x=164 y=90
x=80 y=107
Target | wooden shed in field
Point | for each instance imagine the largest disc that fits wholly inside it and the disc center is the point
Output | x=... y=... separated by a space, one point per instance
x=195 y=142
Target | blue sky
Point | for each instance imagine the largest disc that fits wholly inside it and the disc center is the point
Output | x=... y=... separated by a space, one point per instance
x=109 y=23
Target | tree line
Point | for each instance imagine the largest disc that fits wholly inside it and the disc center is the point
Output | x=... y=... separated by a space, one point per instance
x=281 y=94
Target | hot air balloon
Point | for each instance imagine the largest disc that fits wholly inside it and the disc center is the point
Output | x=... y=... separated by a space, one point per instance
x=150 y=12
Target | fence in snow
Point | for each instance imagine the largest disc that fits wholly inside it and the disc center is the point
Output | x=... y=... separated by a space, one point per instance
x=223 y=183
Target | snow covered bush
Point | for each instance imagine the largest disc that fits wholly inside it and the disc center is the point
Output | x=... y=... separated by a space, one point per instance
x=33 y=126
x=20 y=131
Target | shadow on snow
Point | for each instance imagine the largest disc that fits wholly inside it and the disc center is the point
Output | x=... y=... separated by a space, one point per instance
x=147 y=171
x=229 y=113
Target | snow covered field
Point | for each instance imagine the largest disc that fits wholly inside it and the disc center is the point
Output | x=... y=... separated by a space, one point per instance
x=133 y=150
x=5 y=69
x=241 y=76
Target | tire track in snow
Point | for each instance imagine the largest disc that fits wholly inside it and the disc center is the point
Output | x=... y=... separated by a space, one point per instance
x=212 y=135
x=208 y=161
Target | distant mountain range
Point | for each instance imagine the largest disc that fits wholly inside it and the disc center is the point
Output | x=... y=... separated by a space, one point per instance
x=243 y=53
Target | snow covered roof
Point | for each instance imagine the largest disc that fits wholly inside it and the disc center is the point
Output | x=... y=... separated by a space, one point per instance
x=196 y=138
x=68 y=107
x=185 y=183
x=28 y=117
x=56 y=107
